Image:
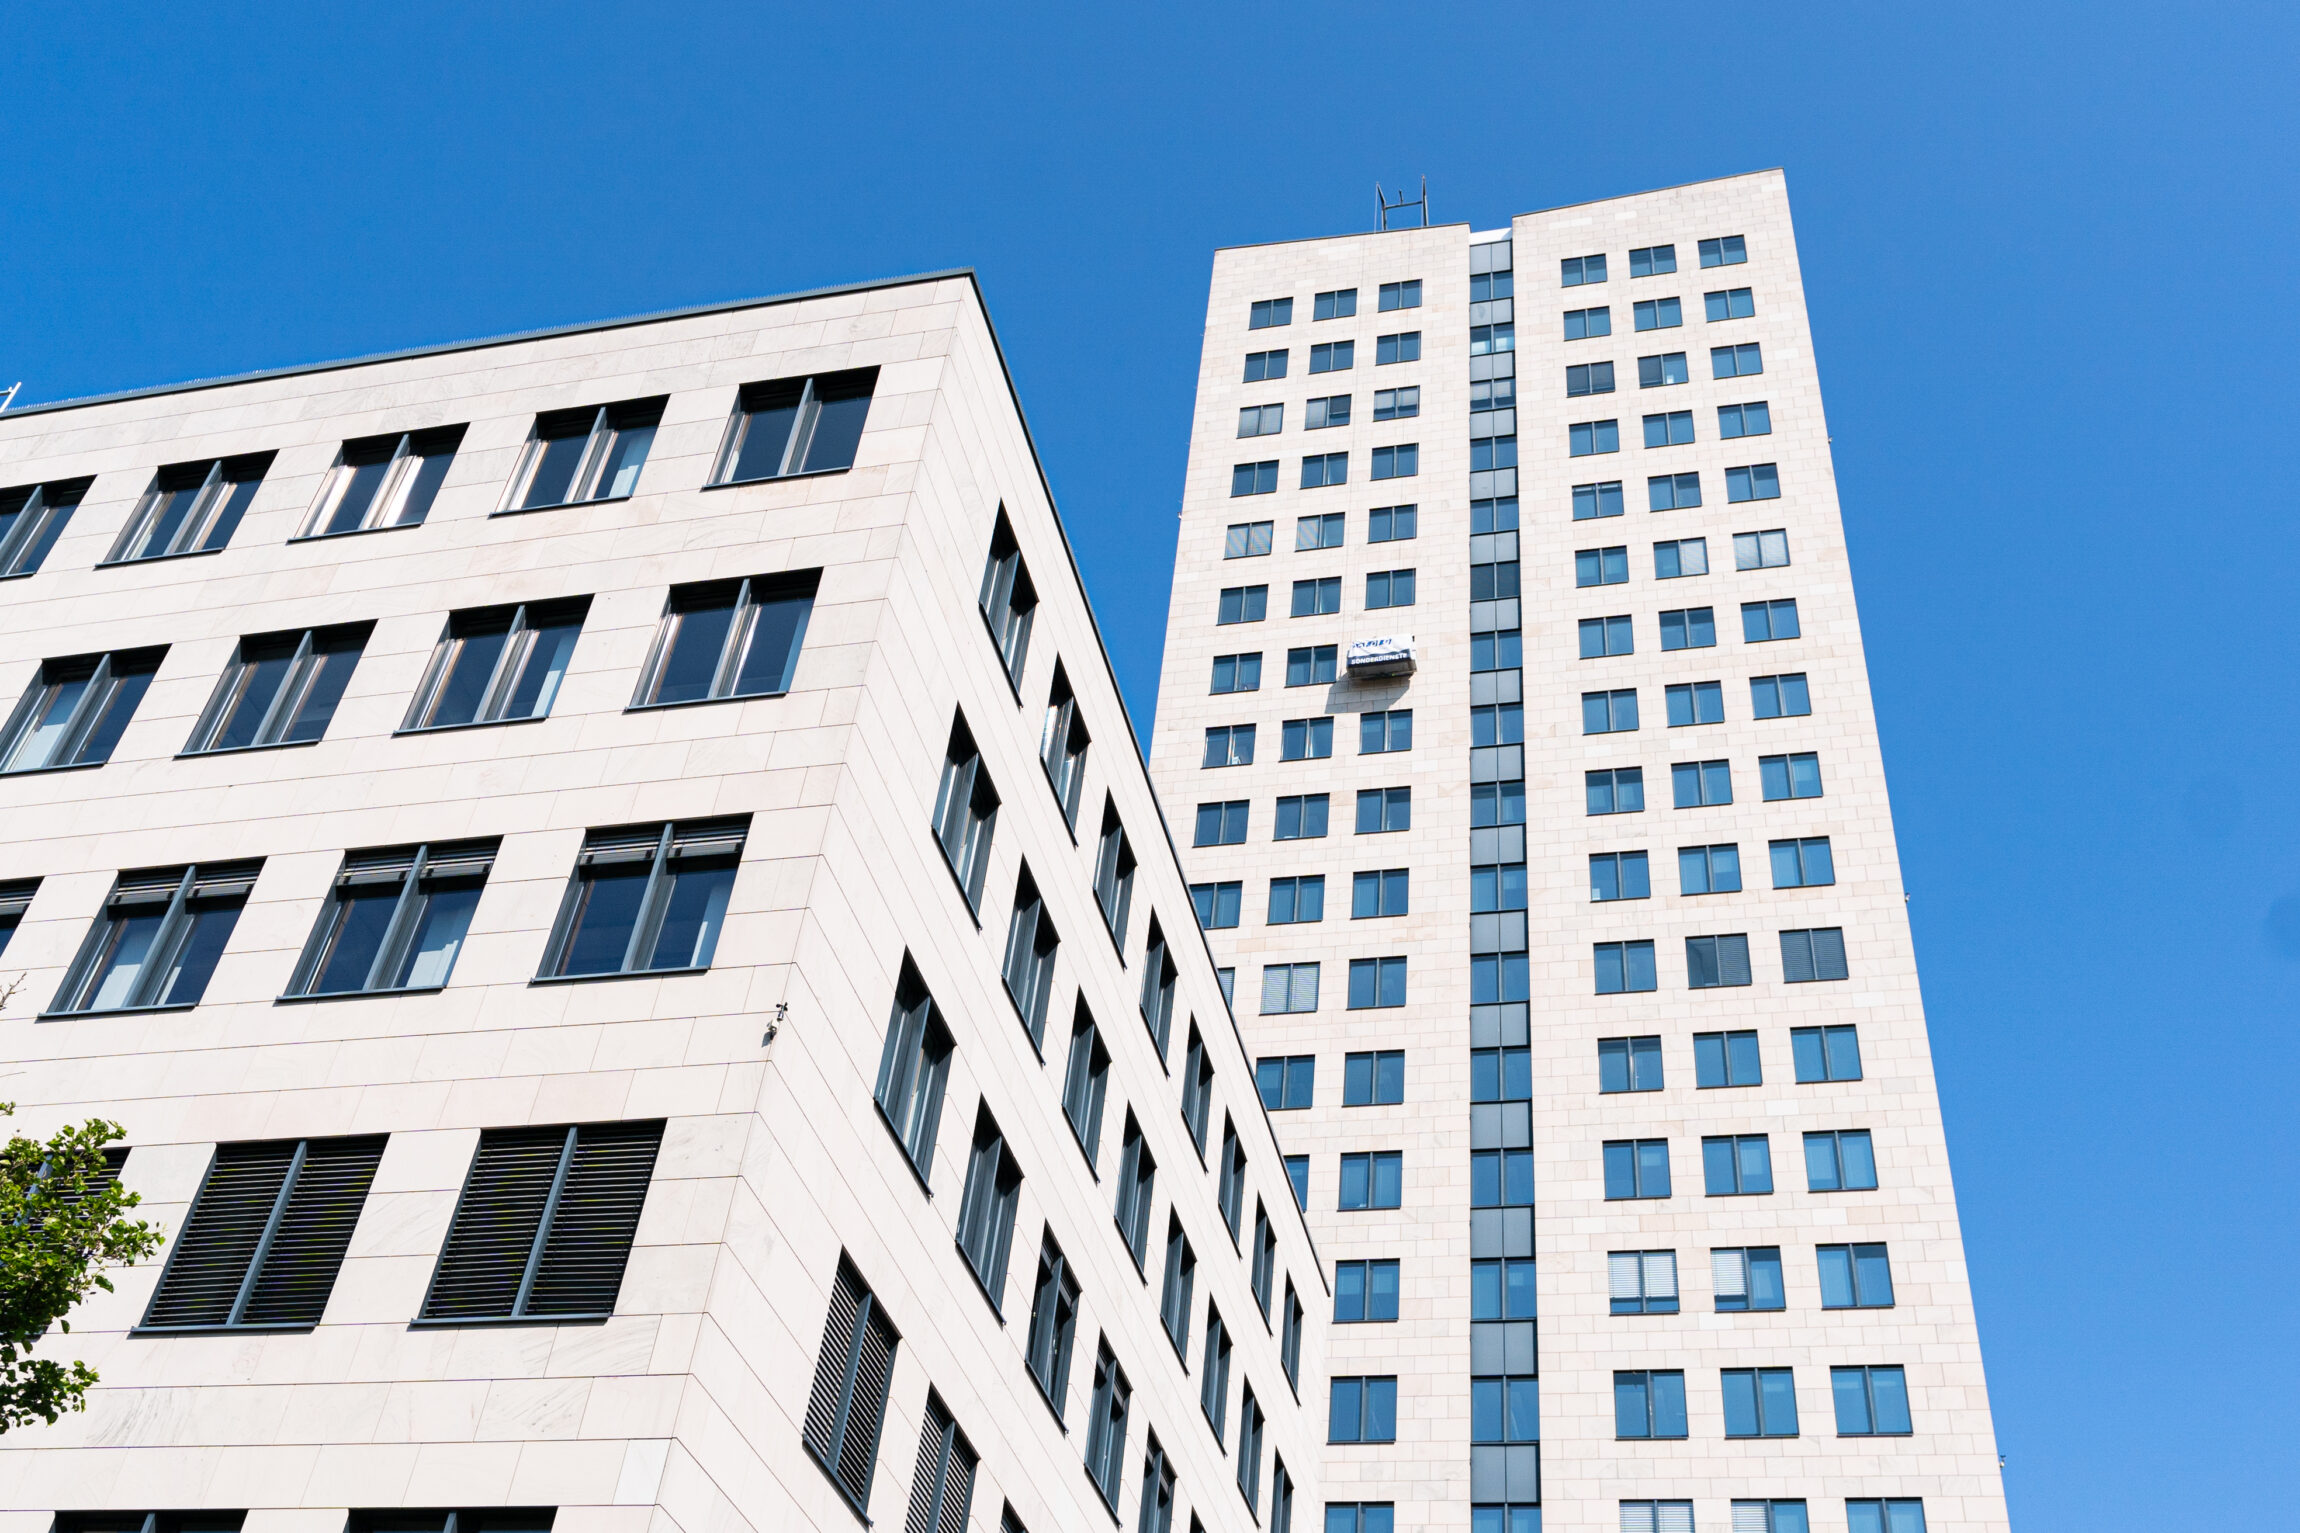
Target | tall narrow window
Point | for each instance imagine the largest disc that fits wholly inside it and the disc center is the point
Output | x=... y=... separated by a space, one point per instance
x=1106 y=1427
x=1157 y=1489
x=1281 y=1497
x=986 y=1210
x=1137 y=1184
x=159 y=936
x=1197 y=1089
x=383 y=481
x=943 y=1484
x=646 y=898
x=280 y=689
x=32 y=518
x=1114 y=873
x=847 y=1404
x=1265 y=1267
x=397 y=919
x=1008 y=600
x=1031 y=942
x=191 y=508
x=795 y=426
x=1214 y=1375
x=728 y=638
x=497 y=664
x=544 y=1226
x=1231 y=1191
x=1053 y=1323
x=592 y=452
x=965 y=812
x=1290 y=1337
x=76 y=709
x=1251 y=1424
x=1174 y=1293
x=1158 y=979
x=912 y=1068
x=1085 y=1081
x=1062 y=747
x=266 y=1236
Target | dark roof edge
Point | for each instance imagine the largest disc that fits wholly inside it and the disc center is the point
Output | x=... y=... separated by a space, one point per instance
x=546 y=333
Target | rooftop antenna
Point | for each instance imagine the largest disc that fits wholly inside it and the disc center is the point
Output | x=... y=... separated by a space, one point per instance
x=9 y=398
x=1403 y=203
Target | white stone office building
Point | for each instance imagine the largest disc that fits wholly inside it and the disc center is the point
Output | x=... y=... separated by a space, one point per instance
x=607 y=879
x=1567 y=921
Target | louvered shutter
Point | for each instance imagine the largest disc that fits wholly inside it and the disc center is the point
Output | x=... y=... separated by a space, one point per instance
x=1729 y=1272
x=709 y=838
x=1829 y=952
x=1660 y=1274
x=1621 y=1272
x=488 y=1246
x=1796 y=956
x=1733 y=960
x=220 y=1237
x=225 y=880
x=1752 y=1517
x=589 y=1243
x=926 y=1481
x=867 y=1407
x=1672 y=1517
x=825 y=1402
x=1274 y=986
x=16 y=898
x=314 y=1231
x=1636 y=1516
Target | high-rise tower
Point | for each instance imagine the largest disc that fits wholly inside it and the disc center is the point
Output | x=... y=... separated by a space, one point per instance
x=1558 y=880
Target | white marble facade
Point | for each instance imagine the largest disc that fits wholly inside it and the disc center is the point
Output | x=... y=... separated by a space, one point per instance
x=1949 y=1460
x=684 y=1410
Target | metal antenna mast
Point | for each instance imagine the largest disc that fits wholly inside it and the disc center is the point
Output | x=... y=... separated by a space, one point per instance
x=1421 y=203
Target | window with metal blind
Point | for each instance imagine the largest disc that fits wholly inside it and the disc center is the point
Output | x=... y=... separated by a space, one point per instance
x=16 y=898
x=1656 y=1517
x=1106 y=1426
x=397 y=919
x=1062 y=747
x=279 y=689
x=943 y=1485
x=544 y=1225
x=1769 y=1517
x=1053 y=1324
x=913 y=1066
x=1008 y=601
x=1642 y=1282
x=1813 y=954
x=1715 y=962
x=591 y=452
x=1746 y=1278
x=158 y=939
x=1899 y=1514
x=1114 y=872
x=1247 y=540
x=497 y=664
x=728 y=638
x=986 y=1210
x=1137 y=1184
x=383 y=481
x=791 y=426
x=190 y=508
x=32 y=518
x=646 y=898
x=75 y=710
x=493 y=1519
x=847 y=1404
x=266 y=1236
x=1289 y=987
x=1159 y=975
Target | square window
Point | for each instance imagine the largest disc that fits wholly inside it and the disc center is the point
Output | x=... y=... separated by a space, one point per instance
x=1229 y=745
x=186 y=913
x=1400 y=295
x=1376 y=1079
x=1243 y=604
x=1745 y=420
x=1679 y=558
x=1339 y=304
x=1653 y=261
x=1311 y=665
x=1618 y=790
x=34 y=516
x=1317 y=598
x=1696 y=702
x=1855 y=1276
x=1320 y=469
x=1402 y=462
x=1804 y=863
x=1315 y=532
x=1289 y=988
x=495 y=664
x=1745 y=1278
x=1496 y=515
x=1588 y=378
x=1764 y=621
x=1333 y=356
x=1701 y=784
x=1871 y=1402
x=1797 y=775
x=1497 y=886
x=1760 y=1402
x=1624 y=967
x=1577 y=271
x=1661 y=371
x=1732 y=250
x=1602 y=636
x=377 y=482
x=1731 y=303
x=1726 y=1059
x=1217 y=905
x=1300 y=817
x=1814 y=954
x=1760 y=550
x=1601 y=566
x=193 y=508
x=1745 y=360
x=1406 y=346
x=1377 y=983
x=1397 y=404
x=1709 y=869
x=1262 y=366
x=1658 y=314
x=1372 y=1180
x=1779 y=697
x=1673 y=429
x=1246 y=540
x=1382 y=893
x=1593 y=437
x=1619 y=876
x=1736 y=1165
x=1287 y=1083
x=1381 y=810
x=652 y=897
x=1391 y=524
x=1826 y=1053
x=396 y=919
x=1222 y=824
x=1365 y=1292
x=1673 y=492
x=1591 y=501
x=1269 y=312
x=1389 y=588
x=1587 y=324
x=1298 y=899
x=1254 y=478
x=595 y=452
x=1649 y=1404
x=1840 y=1161
x=1713 y=963
x=1306 y=739
x=1237 y=673
x=1604 y=713
x=1327 y=411
x=1690 y=627
x=1628 y=1064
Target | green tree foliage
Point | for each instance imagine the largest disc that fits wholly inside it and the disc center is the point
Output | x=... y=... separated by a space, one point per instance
x=63 y=1220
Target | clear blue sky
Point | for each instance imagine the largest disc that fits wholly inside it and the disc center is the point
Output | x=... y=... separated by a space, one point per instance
x=2049 y=250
